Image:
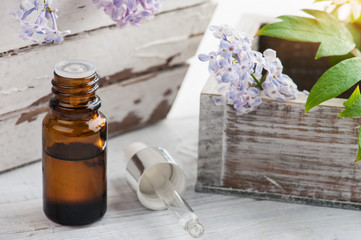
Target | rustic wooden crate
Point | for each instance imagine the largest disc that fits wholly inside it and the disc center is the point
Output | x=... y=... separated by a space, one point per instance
x=141 y=69
x=279 y=153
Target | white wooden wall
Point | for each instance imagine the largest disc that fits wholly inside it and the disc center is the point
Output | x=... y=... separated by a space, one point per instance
x=141 y=69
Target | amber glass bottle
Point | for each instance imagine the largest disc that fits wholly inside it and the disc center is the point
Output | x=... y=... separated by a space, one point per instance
x=74 y=147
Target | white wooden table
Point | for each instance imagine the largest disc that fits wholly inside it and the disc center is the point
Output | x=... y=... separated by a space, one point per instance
x=224 y=217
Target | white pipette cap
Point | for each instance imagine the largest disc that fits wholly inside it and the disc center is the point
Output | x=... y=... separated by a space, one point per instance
x=146 y=164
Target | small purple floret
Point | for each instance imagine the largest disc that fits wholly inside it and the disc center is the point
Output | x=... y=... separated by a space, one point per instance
x=39 y=31
x=125 y=12
x=242 y=72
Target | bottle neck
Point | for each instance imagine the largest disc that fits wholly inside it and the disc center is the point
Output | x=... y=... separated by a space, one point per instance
x=75 y=96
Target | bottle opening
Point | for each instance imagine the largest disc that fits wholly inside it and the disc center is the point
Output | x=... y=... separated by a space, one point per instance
x=74 y=69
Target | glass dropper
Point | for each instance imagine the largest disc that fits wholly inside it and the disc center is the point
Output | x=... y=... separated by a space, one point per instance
x=159 y=182
x=179 y=208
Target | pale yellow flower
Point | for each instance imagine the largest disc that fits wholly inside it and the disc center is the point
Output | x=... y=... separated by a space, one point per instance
x=347 y=10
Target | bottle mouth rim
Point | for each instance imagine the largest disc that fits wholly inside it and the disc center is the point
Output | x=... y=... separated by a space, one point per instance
x=88 y=107
x=74 y=69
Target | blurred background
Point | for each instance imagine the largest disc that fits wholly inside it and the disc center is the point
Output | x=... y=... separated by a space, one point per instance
x=228 y=12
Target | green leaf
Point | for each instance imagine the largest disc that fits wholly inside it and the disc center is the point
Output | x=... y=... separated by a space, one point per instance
x=354 y=29
x=336 y=59
x=335 y=81
x=354 y=96
x=358 y=158
x=353 y=111
x=324 y=28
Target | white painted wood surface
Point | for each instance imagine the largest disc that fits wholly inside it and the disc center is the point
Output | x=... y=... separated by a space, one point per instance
x=127 y=106
x=78 y=16
x=224 y=217
x=278 y=152
x=168 y=39
x=141 y=69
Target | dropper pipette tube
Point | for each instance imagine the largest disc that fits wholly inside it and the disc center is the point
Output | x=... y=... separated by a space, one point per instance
x=155 y=176
x=179 y=208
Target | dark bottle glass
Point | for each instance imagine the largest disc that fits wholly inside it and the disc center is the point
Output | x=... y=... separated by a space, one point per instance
x=74 y=147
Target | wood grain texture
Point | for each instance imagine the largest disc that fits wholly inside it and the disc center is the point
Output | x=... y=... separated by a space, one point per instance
x=210 y=145
x=140 y=70
x=277 y=152
x=224 y=217
x=136 y=50
x=128 y=105
x=78 y=16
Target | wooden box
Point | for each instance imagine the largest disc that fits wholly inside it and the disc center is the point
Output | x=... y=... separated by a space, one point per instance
x=279 y=153
x=141 y=69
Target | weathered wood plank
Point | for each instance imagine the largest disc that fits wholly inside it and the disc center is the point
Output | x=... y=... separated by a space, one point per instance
x=278 y=152
x=210 y=147
x=79 y=16
x=124 y=210
x=127 y=52
x=128 y=105
x=224 y=217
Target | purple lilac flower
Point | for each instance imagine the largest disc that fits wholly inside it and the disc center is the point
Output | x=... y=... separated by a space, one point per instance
x=32 y=31
x=242 y=72
x=124 y=12
x=248 y=101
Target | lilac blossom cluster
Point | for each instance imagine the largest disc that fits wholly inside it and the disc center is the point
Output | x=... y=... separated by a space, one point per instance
x=242 y=73
x=124 y=12
x=33 y=31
